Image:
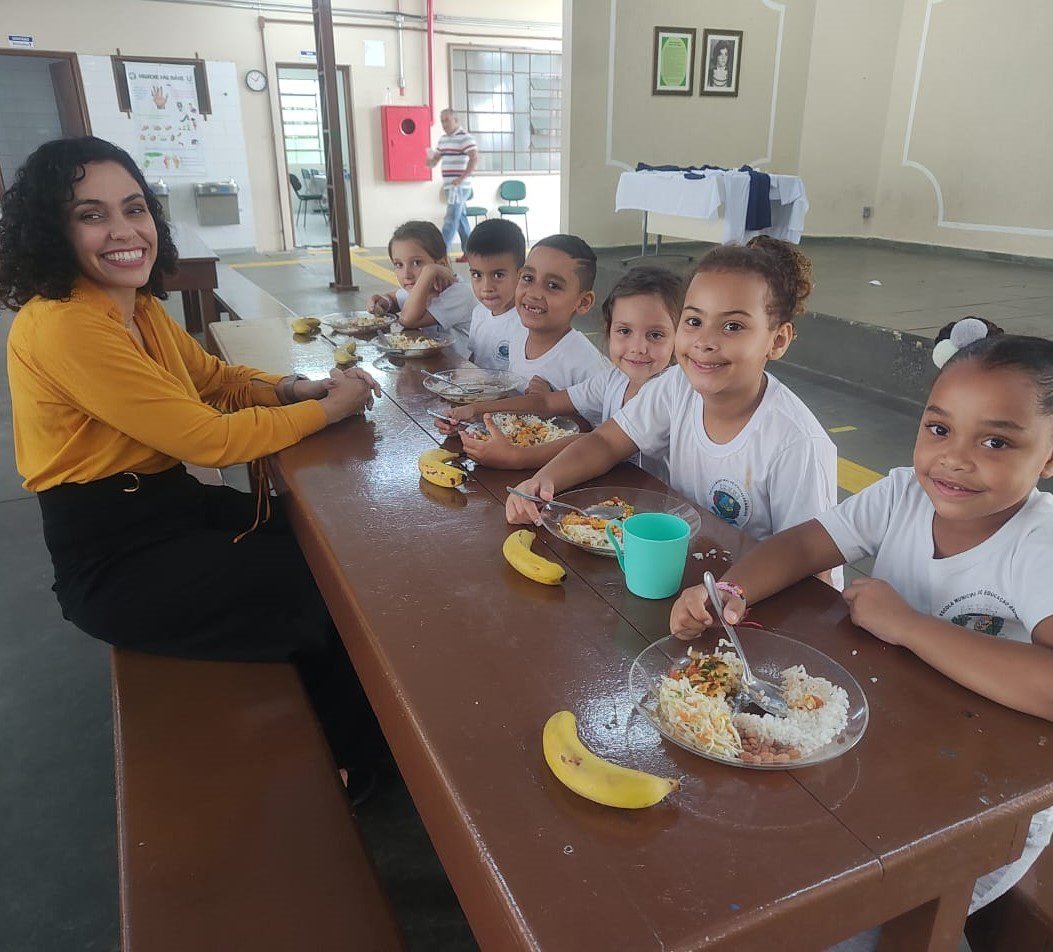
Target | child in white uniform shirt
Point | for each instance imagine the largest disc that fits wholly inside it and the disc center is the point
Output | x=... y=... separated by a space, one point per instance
x=555 y=286
x=963 y=542
x=431 y=293
x=640 y=316
x=496 y=251
x=738 y=442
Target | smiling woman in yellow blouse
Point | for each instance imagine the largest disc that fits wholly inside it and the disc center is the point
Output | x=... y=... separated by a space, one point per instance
x=109 y=395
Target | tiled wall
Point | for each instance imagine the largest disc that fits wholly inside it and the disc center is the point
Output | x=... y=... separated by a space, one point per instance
x=222 y=137
x=28 y=114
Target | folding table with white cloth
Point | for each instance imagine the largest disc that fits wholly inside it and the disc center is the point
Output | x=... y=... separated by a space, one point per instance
x=706 y=193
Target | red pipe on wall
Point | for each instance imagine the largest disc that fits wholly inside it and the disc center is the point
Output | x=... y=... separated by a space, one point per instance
x=431 y=70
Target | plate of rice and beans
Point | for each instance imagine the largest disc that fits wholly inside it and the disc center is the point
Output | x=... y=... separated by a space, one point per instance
x=525 y=429
x=590 y=533
x=689 y=692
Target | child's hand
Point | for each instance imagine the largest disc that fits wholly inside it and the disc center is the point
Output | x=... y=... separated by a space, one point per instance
x=498 y=452
x=691 y=613
x=879 y=608
x=378 y=304
x=538 y=385
x=520 y=511
x=438 y=278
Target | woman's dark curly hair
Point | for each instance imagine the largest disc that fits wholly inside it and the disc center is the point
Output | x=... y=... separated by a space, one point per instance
x=787 y=272
x=35 y=254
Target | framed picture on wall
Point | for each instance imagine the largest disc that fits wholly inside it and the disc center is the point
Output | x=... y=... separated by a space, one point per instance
x=674 y=61
x=721 y=61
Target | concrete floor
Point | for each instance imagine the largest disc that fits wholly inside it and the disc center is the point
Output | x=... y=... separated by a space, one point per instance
x=57 y=826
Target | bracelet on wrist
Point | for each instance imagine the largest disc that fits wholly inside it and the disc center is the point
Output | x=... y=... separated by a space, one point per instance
x=730 y=588
x=287 y=389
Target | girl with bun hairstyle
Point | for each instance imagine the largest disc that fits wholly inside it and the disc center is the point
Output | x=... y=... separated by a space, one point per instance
x=962 y=542
x=735 y=440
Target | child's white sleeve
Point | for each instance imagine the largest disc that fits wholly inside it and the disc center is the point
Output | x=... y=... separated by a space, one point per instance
x=647 y=418
x=1033 y=594
x=454 y=306
x=588 y=395
x=859 y=525
x=802 y=482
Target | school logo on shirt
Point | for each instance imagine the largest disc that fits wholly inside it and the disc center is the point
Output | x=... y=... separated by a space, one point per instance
x=730 y=502
x=503 y=350
x=987 y=624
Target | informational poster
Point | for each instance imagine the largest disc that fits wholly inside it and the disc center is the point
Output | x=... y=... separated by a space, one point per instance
x=168 y=124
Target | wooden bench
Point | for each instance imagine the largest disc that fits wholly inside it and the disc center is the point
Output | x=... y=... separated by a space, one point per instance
x=1022 y=919
x=234 y=830
x=243 y=300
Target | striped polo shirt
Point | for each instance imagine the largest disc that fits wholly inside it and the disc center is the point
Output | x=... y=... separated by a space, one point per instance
x=456 y=150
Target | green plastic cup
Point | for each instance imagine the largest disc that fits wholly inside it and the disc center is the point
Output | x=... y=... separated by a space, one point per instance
x=652 y=553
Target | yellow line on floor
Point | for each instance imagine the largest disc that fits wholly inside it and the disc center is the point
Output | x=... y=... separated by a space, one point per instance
x=852 y=477
x=269 y=264
x=385 y=274
x=841 y=429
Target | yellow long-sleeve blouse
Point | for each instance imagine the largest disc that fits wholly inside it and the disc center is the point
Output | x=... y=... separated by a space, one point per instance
x=88 y=402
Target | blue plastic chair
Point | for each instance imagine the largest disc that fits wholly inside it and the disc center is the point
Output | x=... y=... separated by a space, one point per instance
x=514 y=191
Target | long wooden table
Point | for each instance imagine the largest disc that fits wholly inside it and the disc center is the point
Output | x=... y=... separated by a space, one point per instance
x=195 y=278
x=464 y=660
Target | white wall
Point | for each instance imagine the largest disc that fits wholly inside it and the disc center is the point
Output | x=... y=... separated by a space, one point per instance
x=241 y=37
x=222 y=141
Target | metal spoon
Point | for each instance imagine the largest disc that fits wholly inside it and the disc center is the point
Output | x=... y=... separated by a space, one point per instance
x=590 y=512
x=445 y=419
x=767 y=696
x=450 y=383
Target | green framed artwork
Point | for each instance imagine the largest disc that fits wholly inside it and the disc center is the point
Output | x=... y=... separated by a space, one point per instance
x=674 y=61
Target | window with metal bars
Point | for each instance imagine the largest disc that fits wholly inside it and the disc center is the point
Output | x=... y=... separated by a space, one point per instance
x=511 y=101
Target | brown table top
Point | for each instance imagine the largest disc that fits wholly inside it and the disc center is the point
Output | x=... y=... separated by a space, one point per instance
x=464 y=660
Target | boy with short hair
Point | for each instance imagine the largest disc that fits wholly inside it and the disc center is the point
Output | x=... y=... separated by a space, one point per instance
x=496 y=251
x=555 y=286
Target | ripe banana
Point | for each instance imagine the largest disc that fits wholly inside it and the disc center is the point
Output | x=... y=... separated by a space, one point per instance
x=596 y=779
x=344 y=356
x=516 y=550
x=306 y=325
x=434 y=467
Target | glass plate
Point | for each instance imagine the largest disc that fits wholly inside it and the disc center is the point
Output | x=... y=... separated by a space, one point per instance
x=642 y=500
x=441 y=342
x=564 y=423
x=356 y=323
x=769 y=654
x=484 y=384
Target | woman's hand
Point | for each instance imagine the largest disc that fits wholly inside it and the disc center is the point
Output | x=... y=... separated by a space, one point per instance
x=691 y=613
x=351 y=391
x=311 y=389
x=538 y=385
x=498 y=452
x=519 y=511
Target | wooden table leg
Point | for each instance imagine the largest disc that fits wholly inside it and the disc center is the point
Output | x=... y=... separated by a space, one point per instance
x=209 y=312
x=191 y=311
x=934 y=927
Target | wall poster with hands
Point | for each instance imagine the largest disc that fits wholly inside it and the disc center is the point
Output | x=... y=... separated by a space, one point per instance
x=167 y=120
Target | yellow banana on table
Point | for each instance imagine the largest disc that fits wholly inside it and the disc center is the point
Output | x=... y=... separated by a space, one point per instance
x=517 y=551
x=306 y=325
x=434 y=466
x=594 y=778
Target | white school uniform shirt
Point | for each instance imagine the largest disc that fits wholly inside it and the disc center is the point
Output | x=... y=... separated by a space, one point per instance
x=1000 y=586
x=779 y=471
x=571 y=360
x=599 y=398
x=452 y=309
x=489 y=337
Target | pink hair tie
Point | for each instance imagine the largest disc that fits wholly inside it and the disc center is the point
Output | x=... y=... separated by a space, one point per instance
x=730 y=588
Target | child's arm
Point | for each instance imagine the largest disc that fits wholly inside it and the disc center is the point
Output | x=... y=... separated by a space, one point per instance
x=499 y=452
x=554 y=403
x=1011 y=673
x=588 y=456
x=771 y=566
x=433 y=280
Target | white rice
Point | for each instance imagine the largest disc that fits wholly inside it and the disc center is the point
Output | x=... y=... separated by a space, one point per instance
x=804 y=730
x=587 y=535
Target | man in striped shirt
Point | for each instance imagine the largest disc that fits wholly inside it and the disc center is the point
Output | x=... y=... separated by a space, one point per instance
x=459 y=155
